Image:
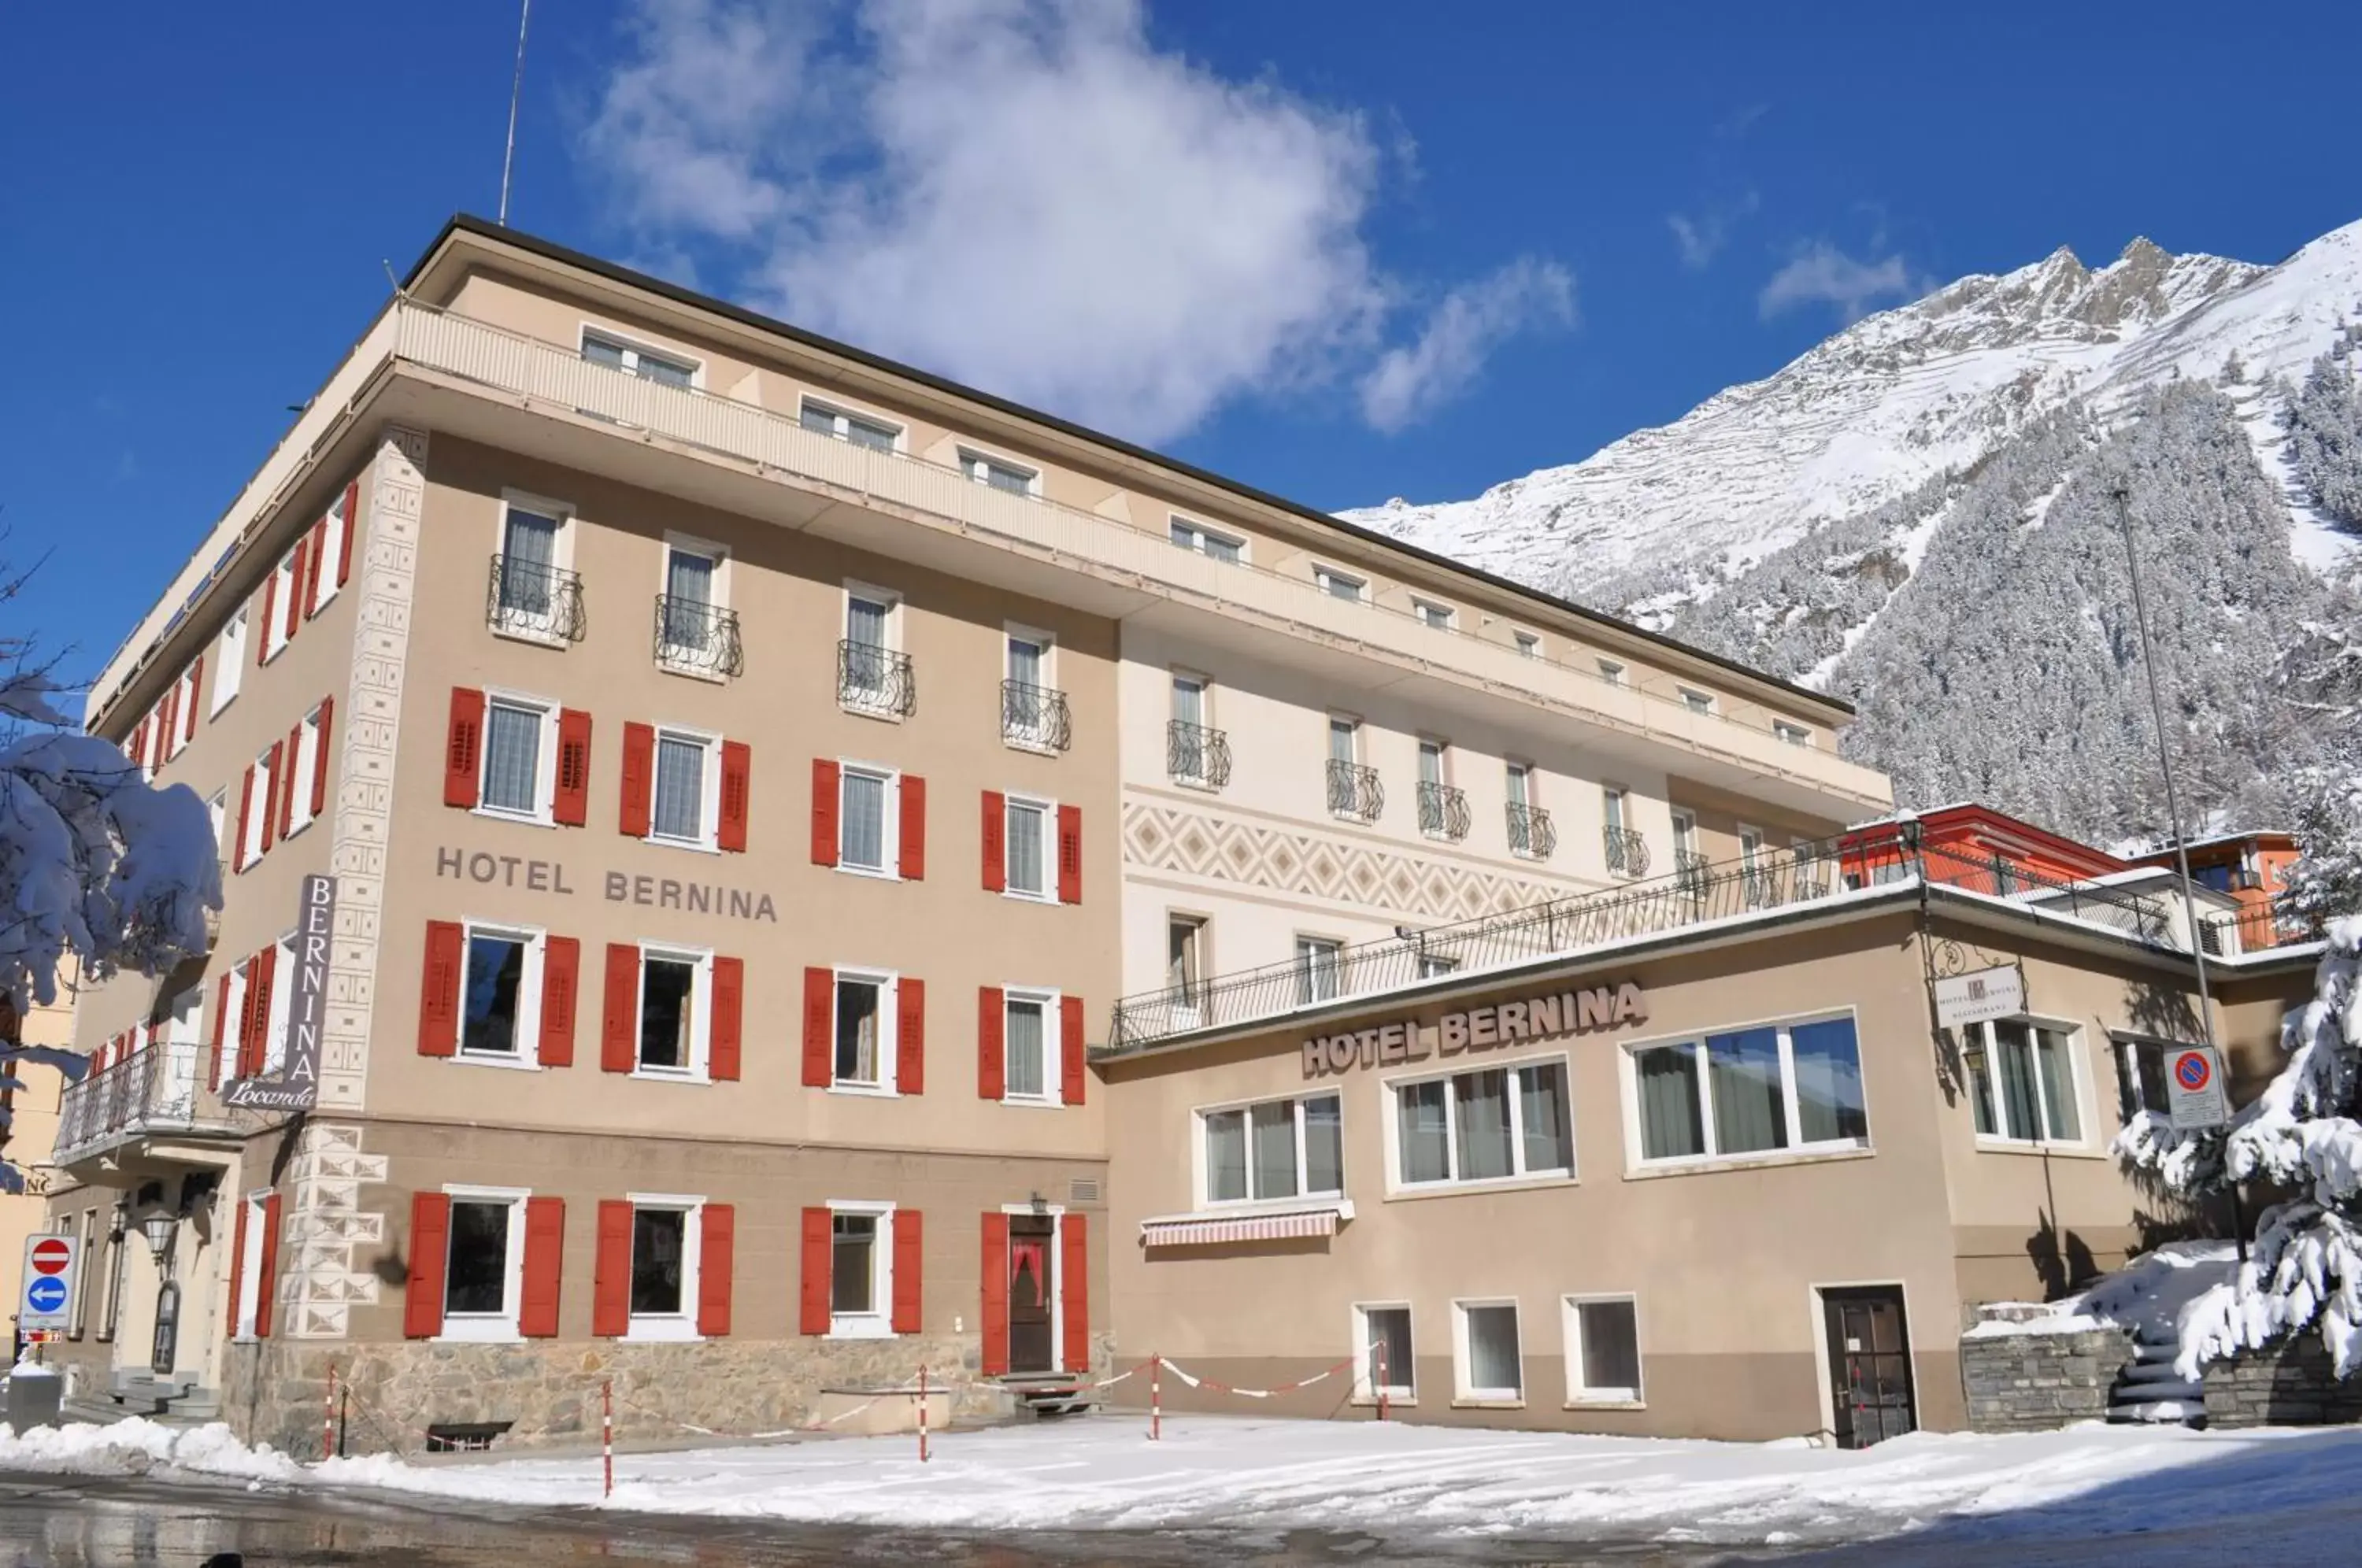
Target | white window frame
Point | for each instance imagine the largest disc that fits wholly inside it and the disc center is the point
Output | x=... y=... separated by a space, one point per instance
x=248 y=1265
x=878 y=1322
x=1353 y=722
x=527 y=1055
x=2077 y=1077
x=184 y=713
x=843 y=416
x=634 y=348
x=1528 y=643
x=1464 y=1390
x=275 y=636
x=851 y=590
x=701 y=1002
x=1047 y=873
x=1427 y=610
x=709 y=808
x=1614 y=672
x=250 y=848
x=229 y=656
x=280 y=1025
x=1201 y=1119
x=1053 y=1082
x=1685 y=828
x=889 y=842
x=544 y=767
x=1189 y=534
x=890 y=1013
x=304 y=772
x=691 y=545
x=1579 y=1393
x=1329 y=579
x=217 y=812
x=1396 y=1182
x=976 y=464
x=561 y=558
x=1627 y=1067
x=1311 y=949
x=235 y=1010
x=1696 y=700
x=1793 y=733
x=489 y=1328
x=680 y=1325
x=1401 y=1390
x=1204 y=684
x=1018 y=632
x=332 y=547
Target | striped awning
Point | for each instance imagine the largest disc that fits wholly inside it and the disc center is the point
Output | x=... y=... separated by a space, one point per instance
x=1210 y=1230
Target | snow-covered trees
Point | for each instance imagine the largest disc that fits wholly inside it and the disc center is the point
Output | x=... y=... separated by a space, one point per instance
x=2327 y=881
x=2324 y=433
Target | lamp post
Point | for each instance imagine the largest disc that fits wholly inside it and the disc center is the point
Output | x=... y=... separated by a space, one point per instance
x=159 y=1228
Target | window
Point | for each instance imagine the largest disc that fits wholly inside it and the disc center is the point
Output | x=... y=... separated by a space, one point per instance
x=1320 y=970
x=632 y=361
x=518 y=769
x=257 y=812
x=1383 y=1348
x=1344 y=739
x=664 y=1241
x=1339 y=584
x=1685 y=838
x=1196 y=752
x=1696 y=702
x=1752 y=1091
x=1436 y=615
x=1488 y=1366
x=1028 y=841
x=1497 y=1124
x=1431 y=761
x=484 y=1263
x=184 y=708
x=251 y=1286
x=686 y=799
x=1185 y=959
x=1529 y=644
x=217 y=813
x=1794 y=735
x=1611 y=672
x=1435 y=965
x=500 y=990
x=229 y=662
x=692 y=620
x=1277 y=1149
x=1033 y=709
x=303 y=771
x=284 y=601
x=672 y=1011
x=1519 y=781
x=871 y=675
x=531 y=579
x=853 y=1253
x=998 y=472
x=1197 y=537
x=1611 y=808
x=865 y=800
x=1028 y=1044
x=877 y=435
x=1602 y=1351
x=2140 y=1077
x=2022 y=1081
x=864 y=1031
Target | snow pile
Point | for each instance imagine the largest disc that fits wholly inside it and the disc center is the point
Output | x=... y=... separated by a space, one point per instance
x=141 y=1447
x=2146 y=1297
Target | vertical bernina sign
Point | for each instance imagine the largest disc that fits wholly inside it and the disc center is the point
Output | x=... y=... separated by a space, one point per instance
x=297 y=1086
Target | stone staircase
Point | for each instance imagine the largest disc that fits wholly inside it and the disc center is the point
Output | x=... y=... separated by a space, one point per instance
x=2150 y=1390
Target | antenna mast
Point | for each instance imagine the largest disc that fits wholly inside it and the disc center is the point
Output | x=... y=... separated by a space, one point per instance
x=516 y=90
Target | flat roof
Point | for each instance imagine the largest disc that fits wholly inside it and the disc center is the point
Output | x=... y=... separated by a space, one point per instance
x=484 y=228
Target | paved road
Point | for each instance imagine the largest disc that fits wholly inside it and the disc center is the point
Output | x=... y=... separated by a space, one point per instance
x=71 y=1522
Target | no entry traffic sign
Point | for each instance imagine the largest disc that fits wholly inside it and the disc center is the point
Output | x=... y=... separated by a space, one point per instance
x=50 y=1255
x=49 y=1282
x=2193 y=1087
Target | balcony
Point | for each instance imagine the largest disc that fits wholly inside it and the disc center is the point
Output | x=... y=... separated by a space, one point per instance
x=1627 y=852
x=1034 y=717
x=1195 y=755
x=150 y=1093
x=877 y=681
x=1531 y=833
x=1693 y=870
x=1354 y=792
x=698 y=638
x=534 y=599
x=1442 y=809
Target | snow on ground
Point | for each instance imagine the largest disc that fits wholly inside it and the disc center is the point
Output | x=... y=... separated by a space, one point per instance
x=2146 y=1297
x=1100 y=1472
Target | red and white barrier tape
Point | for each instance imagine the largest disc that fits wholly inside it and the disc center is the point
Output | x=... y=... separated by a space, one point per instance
x=1194 y=1381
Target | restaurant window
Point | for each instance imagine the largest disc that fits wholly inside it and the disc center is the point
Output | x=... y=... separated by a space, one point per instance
x=1603 y=1350
x=1495 y=1124
x=2022 y=1081
x=1273 y=1149
x=1487 y=1363
x=1384 y=1357
x=1752 y=1091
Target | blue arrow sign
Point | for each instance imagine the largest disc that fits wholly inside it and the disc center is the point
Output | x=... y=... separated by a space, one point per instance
x=45 y=1292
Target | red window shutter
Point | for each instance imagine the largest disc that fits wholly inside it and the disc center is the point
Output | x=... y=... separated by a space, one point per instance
x=716 y=1244
x=430 y=1249
x=729 y=993
x=737 y=783
x=238 y=1265
x=620 y=1026
x=196 y=695
x=913 y=860
x=823 y=812
x=820 y=1236
x=1071 y=1077
x=996 y=1294
x=909 y=1289
x=570 y=801
x=274 y=787
x=221 y=1035
x=611 y=1272
x=996 y=849
x=171 y=729
x=287 y=790
x=545 y=1267
x=262 y=621
x=267 y=1271
x=820 y=1018
x=318 y=541
x=1070 y=854
x=438 y=989
x=320 y=756
x=463 y=752
x=136 y=748
x=561 y=968
x=911 y=1036
x=1075 y=1289
x=991 y=1061
x=245 y=807
x=257 y=1053
x=639 y=779
x=301 y=556
x=345 y=552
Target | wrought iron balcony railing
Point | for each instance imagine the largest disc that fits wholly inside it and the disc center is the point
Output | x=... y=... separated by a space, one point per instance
x=694 y=636
x=1531 y=833
x=1035 y=716
x=1627 y=852
x=1354 y=791
x=875 y=680
x=534 y=600
x=1693 y=870
x=1442 y=809
x=1195 y=755
x=151 y=1091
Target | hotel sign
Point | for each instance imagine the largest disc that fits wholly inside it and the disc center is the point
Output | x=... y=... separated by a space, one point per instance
x=1998 y=992
x=297 y=1087
x=649 y=892
x=1478 y=1028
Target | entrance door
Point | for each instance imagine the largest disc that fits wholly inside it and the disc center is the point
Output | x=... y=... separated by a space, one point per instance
x=1033 y=1286
x=1870 y=1364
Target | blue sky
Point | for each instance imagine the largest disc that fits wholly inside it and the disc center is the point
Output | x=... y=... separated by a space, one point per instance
x=1342 y=250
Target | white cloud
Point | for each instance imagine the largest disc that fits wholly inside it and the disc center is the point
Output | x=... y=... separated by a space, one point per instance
x=1821 y=274
x=1023 y=194
x=1701 y=239
x=1410 y=382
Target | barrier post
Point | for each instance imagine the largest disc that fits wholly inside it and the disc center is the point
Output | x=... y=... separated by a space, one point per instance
x=329 y=1417
x=1382 y=1380
x=922 y=1412
x=1156 y=1397
x=607 y=1433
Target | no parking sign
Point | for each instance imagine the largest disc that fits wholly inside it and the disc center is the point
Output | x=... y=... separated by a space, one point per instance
x=49 y=1282
x=2193 y=1086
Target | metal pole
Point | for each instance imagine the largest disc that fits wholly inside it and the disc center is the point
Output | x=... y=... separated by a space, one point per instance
x=1382 y=1380
x=922 y=1412
x=1156 y=1397
x=329 y=1417
x=2123 y=496
x=516 y=90
x=607 y=1433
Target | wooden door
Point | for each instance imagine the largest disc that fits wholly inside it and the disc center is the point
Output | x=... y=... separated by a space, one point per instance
x=1032 y=1288
x=1870 y=1364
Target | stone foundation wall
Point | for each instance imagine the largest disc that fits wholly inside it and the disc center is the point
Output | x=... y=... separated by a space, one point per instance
x=275 y=1391
x=2022 y=1383
x=2293 y=1383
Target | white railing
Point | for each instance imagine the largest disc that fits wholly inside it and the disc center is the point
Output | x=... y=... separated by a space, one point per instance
x=549 y=373
x=152 y=1090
